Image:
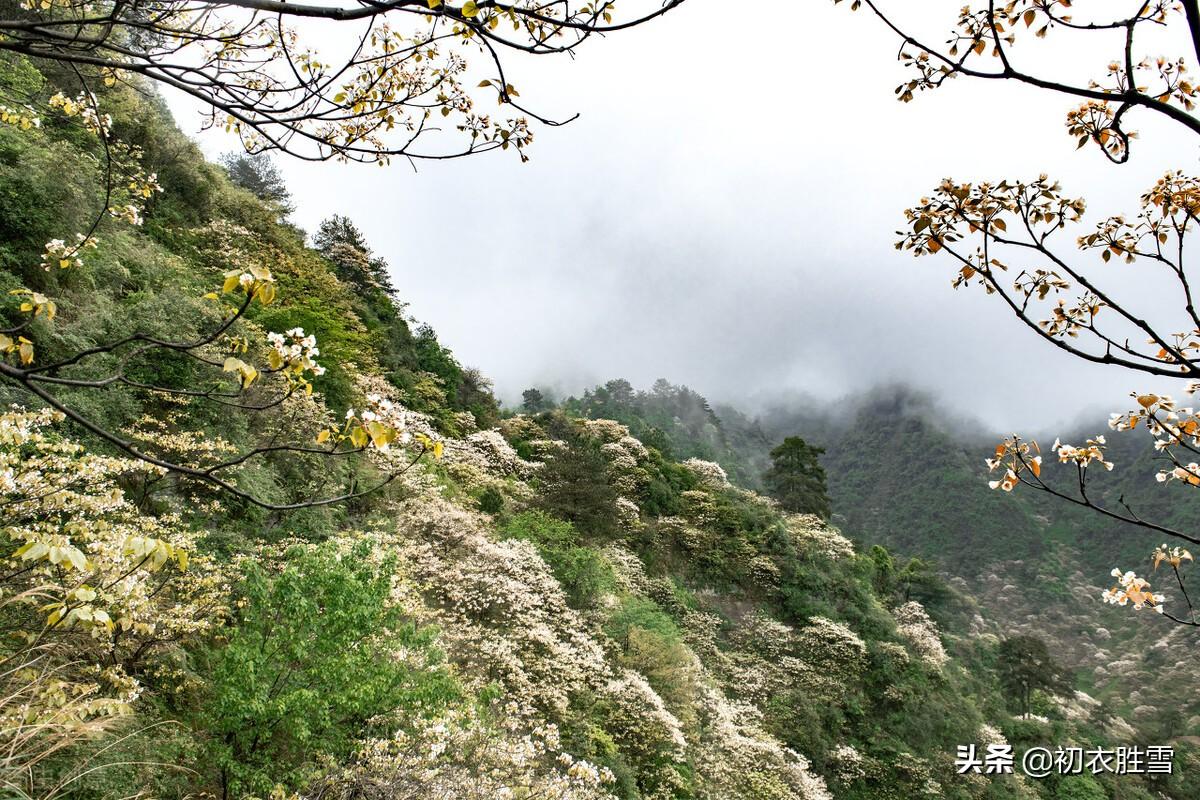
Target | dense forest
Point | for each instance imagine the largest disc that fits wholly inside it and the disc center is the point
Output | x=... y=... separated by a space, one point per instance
x=593 y=598
x=1012 y=563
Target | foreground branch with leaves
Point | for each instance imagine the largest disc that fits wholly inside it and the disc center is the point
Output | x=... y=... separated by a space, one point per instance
x=403 y=70
x=1006 y=238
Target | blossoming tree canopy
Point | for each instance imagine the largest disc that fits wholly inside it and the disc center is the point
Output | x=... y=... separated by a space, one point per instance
x=91 y=585
x=252 y=376
x=1007 y=237
x=411 y=78
x=408 y=82
x=265 y=373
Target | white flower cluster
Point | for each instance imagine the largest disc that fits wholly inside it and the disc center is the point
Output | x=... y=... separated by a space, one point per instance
x=1172 y=428
x=832 y=645
x=990 y=734
x=62 y=255
x=628 y=514
x=24 y=117
x=644 y=724
x=1083 y=456
x=296 y=349
x=383 y=411
x=607 y=431
x=101 y=579
x=1189 y=473
x=83 y=106
x=489 y=453
x=710 y=473
x=627 y=568
x=462 y=753
x=811 y=535
x=737 y=760
x=623 y=456
x=1132 y=589
x=504 y=615
x=128 y=212
x=848 y=763
x=921 y=633
x=18 y=426
x=766 y=636
x=634 y=448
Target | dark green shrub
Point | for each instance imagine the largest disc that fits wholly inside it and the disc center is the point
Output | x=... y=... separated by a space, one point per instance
x=491 y=501
x=582 y=572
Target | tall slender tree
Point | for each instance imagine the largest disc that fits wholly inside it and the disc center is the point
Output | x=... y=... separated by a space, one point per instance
x=796 y=478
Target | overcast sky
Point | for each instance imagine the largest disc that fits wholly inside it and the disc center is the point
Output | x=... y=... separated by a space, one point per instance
x=723 y=214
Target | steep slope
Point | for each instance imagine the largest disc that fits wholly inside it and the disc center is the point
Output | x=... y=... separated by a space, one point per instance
x=554 y=607
x=902 y=476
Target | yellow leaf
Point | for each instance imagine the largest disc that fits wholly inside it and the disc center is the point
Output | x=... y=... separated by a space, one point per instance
x=470 y=10
x=381 y=435
x=323 y=436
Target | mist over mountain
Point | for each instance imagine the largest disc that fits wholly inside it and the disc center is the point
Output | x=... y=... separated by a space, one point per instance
x=267 y=531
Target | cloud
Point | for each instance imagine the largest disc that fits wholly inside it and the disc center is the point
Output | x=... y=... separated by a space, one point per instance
x=723 y=214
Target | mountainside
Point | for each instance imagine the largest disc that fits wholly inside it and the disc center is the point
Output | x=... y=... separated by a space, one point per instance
x=547 y=605
x=904 y=474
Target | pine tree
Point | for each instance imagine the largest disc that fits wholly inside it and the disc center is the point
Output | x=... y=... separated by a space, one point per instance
x=796 y=478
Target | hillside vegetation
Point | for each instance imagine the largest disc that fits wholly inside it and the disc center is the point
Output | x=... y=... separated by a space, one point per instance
x=573 y=603
x=904 y=474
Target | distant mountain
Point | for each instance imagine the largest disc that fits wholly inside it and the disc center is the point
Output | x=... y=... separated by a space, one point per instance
x=909 y=475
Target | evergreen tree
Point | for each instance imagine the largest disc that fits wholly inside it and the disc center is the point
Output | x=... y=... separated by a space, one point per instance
x=533 y=401
x=475 y=395
x=257 y=174
x=339 y=229
x=341 y=241
x=796 y=478
x=575 y=487
x=1024 y=666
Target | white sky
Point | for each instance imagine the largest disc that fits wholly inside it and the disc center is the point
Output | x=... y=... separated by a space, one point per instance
x=723 y=215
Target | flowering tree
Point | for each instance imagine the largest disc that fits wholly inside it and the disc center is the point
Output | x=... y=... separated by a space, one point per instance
x=403 y=71
x=400 y=87
x=1006 y=238
x=91 y=590
x=251 y=371
x=250 y=376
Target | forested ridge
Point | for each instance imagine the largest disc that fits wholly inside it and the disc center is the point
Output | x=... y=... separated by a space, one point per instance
x=906 y=474
x=574 y=601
